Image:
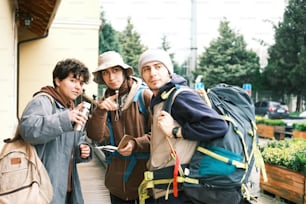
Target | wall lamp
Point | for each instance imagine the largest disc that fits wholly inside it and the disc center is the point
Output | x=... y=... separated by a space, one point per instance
x=27 y=21
x=25 y=17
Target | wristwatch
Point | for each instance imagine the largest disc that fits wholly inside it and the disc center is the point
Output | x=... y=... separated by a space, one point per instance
x=175 y=131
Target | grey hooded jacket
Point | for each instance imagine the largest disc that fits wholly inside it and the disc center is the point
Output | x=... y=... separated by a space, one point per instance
x=46 y=125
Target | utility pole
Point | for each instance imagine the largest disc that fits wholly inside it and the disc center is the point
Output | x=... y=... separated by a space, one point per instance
x=193 y=44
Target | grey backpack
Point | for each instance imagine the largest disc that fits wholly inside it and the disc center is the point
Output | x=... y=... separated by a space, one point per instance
x=223 y=163
x=235 y=159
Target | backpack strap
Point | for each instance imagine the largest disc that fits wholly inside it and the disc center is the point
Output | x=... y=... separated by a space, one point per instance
x=178 y=170
x=52 y=100
x=168 y=97
x=157 y=178
x=224 y=159
x=139 y=96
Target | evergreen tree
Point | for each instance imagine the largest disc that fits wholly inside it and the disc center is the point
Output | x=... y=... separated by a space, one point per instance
x=107 y=36
x=166 y=46
x=130 y=45
x=286 y=69
x=226 y=60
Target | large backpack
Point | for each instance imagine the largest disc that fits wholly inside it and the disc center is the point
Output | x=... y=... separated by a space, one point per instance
x=23 y=177
x=223 y=163
x=227 y=162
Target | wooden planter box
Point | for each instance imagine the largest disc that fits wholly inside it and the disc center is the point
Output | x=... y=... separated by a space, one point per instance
x=271 y=132
x=260 y=129
x=284 y=183
x=298 y=134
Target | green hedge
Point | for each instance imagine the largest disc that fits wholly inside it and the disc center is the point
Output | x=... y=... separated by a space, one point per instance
x=272 y=122
x=299 y=126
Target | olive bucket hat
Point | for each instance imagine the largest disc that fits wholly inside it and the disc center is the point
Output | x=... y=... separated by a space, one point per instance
x=107 y=60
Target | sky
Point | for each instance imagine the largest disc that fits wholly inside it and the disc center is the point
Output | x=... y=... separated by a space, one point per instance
x=253 y=19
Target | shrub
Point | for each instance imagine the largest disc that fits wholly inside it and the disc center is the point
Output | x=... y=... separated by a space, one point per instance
x=289 y=153
x=299 y=126
x=272 y=122
x=259 y=120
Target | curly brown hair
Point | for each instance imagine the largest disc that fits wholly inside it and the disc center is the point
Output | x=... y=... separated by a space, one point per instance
x=64 y=67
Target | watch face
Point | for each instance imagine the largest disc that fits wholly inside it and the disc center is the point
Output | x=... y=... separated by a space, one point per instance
x=174 y=131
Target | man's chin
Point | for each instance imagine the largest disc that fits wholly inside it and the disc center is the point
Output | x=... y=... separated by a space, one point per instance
x=75 y=97
x=154 y=86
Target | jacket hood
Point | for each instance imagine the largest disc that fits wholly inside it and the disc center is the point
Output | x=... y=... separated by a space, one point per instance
x=178 y=80
x=136 y=84
x=58 y=97
x=130 y=87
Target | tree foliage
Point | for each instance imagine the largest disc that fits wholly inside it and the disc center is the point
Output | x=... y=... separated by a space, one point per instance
x=165 y=45
x=227 y=60
x=130 y=45
x=107 y=36
x=286 y=69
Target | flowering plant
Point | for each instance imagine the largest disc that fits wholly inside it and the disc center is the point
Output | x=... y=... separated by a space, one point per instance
x=289 y=153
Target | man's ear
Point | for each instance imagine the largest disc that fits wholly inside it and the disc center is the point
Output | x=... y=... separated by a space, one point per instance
x=57 y=81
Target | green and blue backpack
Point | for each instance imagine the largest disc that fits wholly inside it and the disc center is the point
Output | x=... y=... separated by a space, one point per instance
x=223 y=163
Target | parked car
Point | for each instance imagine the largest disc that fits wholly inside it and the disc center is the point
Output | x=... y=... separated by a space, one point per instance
x=271 y=109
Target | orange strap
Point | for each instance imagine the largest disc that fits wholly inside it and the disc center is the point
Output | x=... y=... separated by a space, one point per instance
x=175 y=174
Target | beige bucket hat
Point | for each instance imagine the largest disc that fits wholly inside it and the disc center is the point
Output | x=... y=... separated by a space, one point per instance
x=107 y=60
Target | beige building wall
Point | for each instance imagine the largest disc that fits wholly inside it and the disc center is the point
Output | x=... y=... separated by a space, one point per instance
x=8 y=44
x=73 y=34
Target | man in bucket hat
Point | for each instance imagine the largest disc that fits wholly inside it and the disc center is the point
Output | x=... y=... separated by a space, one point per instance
x=123 y=110
x=108 y=60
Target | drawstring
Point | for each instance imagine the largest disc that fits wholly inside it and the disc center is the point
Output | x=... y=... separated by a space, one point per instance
x=118 y=105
